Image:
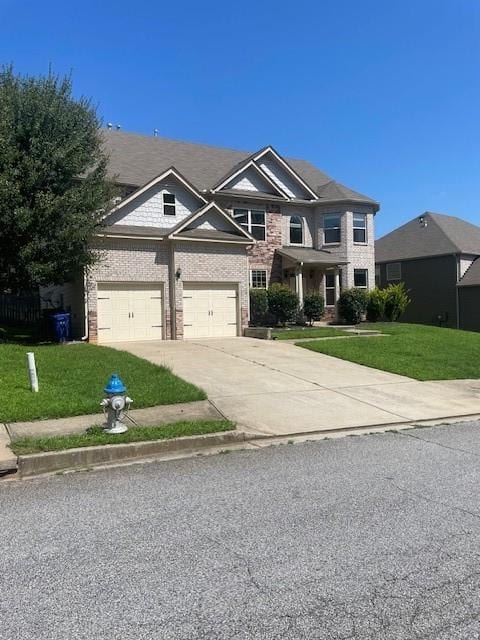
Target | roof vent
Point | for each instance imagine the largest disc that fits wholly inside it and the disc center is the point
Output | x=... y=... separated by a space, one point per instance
x=109 y=125
x=155 y=133
x=118 y=127
x=422 y=221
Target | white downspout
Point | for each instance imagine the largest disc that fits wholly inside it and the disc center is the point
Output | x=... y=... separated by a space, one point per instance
x=85 y=303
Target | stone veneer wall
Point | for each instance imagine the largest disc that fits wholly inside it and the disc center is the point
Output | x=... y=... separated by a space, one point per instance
x=262 y=255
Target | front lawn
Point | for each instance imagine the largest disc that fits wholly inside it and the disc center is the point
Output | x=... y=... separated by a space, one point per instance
x=307 y=332
x=413 y=350
x=96 y=436
x=72 y=378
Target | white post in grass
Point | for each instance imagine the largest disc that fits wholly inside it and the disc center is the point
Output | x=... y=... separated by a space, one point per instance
x=32 y=371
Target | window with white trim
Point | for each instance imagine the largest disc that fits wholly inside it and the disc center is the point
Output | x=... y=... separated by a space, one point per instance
x=330 y=289
x=360 y=228
x=331 y=228
x=394 y=271
x=360 y=278
x=258 y=279
x=296 y=230
x=253 y=220
x=169 y=205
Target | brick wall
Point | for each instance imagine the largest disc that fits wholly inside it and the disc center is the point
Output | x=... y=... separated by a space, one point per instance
x=359 y=256
x=211 y=262
x=147 y=261
x=122 y=260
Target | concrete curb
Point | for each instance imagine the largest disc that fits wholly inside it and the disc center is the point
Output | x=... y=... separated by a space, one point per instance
x=40 y=463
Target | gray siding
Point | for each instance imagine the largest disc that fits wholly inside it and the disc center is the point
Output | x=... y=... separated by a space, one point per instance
x=431 y=283
x=469 y=299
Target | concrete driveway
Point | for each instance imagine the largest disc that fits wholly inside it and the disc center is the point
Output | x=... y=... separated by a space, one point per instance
x=280 y=389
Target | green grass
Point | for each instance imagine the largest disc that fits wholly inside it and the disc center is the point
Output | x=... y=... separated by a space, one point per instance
x=20 y=334
x=96 y=436
x=413 y=350
x=307 y=332
x=72 y=378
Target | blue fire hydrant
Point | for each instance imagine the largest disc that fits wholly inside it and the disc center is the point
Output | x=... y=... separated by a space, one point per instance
x=116 y=405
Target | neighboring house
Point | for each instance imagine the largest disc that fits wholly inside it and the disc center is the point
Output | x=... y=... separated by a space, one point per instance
x=436 y=257
x=199 y=225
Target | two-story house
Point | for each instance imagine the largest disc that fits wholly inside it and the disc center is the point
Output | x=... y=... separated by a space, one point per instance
x=198 y=226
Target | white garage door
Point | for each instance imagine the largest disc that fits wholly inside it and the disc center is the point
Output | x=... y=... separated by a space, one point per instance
x=129 y=311
x=209 y=310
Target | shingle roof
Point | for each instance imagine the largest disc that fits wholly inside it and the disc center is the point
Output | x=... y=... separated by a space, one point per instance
x=335 y=191
x=133 y=230
x=212 y=234
x=471 y=276
x=310 y=256
x=442 y=235
x=135 y=159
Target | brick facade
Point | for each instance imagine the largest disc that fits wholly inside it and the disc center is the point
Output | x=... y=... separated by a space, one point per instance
x=123 y=260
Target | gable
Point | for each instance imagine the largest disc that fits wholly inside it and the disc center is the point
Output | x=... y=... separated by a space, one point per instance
x=147 y=208
x=251 y=180
x=213 y=221
x=282 y=178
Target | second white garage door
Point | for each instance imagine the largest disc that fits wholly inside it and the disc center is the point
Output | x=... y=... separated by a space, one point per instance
x=210 y=310
x=129 y=311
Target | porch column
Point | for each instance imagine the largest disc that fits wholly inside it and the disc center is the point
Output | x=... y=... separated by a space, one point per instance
x=337 y=284
x=299 y=283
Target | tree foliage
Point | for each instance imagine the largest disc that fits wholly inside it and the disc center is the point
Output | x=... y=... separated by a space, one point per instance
x=54 y=188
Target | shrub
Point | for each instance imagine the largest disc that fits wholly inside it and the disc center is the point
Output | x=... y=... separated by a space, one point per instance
x=352 y=305
x=258 y=306
x=282 y=303
x=313 y=307
x=396 y=301
x=376 y=305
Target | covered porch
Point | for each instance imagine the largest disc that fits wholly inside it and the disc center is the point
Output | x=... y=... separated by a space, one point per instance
x=306 y=271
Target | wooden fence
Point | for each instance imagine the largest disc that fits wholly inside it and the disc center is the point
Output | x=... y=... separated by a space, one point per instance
x=19 y=309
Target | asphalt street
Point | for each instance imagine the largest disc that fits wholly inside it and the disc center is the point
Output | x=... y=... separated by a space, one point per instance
x=363 y=537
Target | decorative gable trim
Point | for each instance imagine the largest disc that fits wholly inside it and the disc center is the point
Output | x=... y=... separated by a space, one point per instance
x=250 y=164
x=151 y=183
x=203 y=210
x=287 y=167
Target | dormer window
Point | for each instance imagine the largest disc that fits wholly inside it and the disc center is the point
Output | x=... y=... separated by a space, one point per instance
x=296 y=230
x=169 y=204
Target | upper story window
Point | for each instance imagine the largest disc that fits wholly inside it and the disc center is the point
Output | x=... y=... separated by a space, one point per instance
x=296 y=230
x=360 y=227
x=253 y=220
x=169 y=205
x=394 y=271
x=331 y=228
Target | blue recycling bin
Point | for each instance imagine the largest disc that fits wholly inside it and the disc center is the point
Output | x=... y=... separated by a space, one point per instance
x=61 y=327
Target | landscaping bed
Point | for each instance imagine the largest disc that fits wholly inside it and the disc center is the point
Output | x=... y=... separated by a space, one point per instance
x=417 y=351
x=96 y=436
x=72 y=378
x=295 y=333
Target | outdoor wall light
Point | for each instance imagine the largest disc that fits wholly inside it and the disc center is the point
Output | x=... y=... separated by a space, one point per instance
x=178 y=273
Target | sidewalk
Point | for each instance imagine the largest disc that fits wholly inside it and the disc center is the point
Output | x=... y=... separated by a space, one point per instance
x=163 y=414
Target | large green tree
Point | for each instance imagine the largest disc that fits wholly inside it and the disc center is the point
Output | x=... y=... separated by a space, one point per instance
x=54 y=188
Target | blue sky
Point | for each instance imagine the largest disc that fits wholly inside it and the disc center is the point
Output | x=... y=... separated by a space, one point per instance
x=383 y=96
